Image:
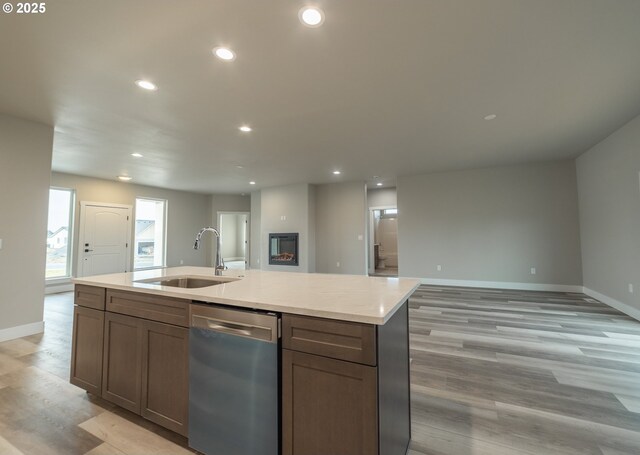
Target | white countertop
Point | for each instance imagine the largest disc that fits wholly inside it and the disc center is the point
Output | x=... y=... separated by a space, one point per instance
x=355 y=298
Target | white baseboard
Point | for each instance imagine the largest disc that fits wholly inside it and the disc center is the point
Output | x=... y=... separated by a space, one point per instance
x=57 y=288
x=503 y=285
x=620 y=306
x=21 y=331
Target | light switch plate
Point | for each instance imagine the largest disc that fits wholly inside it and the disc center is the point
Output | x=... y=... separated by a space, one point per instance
x=0 y=244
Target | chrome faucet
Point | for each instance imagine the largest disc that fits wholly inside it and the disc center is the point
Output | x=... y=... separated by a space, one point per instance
x=219 y=267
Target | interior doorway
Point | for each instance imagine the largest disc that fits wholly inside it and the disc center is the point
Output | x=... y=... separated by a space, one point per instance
x=234 y=239
x=105 y=233
x=383 y=241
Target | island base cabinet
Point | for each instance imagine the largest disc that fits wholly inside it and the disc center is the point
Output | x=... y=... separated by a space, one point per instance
x=86 y=349
x=165 y=375
x=345 y=386
x=122 y=370
x=146 y=369
x=329 y=406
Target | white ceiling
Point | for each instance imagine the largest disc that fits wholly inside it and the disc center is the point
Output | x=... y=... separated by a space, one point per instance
x=382 y=88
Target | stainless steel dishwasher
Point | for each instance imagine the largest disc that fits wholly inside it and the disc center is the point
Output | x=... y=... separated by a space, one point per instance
x=233 y=381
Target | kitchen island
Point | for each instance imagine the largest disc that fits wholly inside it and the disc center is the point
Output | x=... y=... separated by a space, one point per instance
x=343 y=350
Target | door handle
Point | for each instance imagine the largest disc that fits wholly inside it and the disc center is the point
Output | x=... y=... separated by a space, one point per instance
x=86 y=250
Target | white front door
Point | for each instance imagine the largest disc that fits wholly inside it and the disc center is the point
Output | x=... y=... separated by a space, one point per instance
x=104 y=239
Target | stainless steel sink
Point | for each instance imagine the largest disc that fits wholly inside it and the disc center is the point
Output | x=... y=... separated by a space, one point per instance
x=188 y=281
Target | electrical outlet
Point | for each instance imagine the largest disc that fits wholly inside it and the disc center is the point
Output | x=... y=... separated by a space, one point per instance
x=439 y=268
x=533 y=270
x=283 y=218
x=337 y=264
x=0 y=244
x=360 y=237
x=181 y=261
x=630 y=288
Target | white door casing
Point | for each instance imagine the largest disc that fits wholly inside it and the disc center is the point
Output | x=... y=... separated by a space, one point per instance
x=105 y=232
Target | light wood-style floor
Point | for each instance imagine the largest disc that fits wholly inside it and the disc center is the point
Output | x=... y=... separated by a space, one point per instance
x=493 y=373
x=510 y=372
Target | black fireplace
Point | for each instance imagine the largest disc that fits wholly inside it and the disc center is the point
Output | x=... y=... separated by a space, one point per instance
x=283 y=249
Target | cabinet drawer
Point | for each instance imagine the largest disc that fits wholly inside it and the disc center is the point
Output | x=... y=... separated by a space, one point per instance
x=349 y=341
x=89 y=296
x=147 y=306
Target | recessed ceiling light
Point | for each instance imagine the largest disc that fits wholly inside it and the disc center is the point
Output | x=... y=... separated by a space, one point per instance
x=147 y=85
x=379 y=183
x=336 y=172
x=124 y=178
x=311 y=16
x=137 y=155
x=239 y=167
x=224 y=53
x=490 y=117
x=252 y=183
x=245 y=129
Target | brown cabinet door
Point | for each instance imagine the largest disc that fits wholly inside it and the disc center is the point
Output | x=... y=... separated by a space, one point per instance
x=165 y=375
x=329 y=406
x=122 y=367
x=86 y=349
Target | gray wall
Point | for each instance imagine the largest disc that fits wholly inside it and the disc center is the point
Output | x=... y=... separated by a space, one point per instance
x=228 y=203
x=340 y=220
x=186 y=213
x=255 y=222
x=285 y=209
x=382 y=197
x=492 y=225
x=25 y=166
x=311 y=228
x=609 y=191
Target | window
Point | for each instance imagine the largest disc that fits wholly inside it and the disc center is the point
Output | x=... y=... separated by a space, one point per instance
x=149 y=248
x=389 y=213
x=59 y=238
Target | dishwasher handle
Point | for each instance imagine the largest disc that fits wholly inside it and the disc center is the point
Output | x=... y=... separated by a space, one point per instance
x=238 y=329
x=258 y=332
